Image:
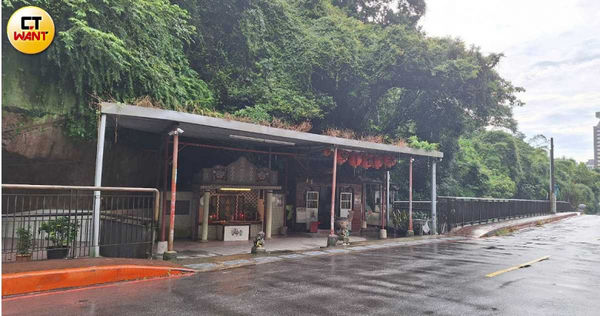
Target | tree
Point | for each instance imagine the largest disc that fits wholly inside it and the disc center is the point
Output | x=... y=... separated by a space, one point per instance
x=384 y=12
x=501 y=165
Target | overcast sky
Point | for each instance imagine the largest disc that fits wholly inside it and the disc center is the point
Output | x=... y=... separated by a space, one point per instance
x=552 y=49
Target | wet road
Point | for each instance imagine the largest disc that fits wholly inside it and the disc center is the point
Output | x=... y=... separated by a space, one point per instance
x=437 y=278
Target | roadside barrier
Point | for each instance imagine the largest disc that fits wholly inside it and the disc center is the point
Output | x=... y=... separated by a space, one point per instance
x=81 y=220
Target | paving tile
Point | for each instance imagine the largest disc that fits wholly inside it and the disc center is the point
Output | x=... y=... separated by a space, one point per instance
x=314 y=253
x=337 y=250
x=358 y=248
x=292 y=256
x=266 y=259
x=236 y=262
x=201 y=266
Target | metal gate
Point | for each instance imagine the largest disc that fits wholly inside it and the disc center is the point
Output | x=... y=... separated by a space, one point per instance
x=125 y=220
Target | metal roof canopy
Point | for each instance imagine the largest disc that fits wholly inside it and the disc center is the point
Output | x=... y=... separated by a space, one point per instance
x=204 y=127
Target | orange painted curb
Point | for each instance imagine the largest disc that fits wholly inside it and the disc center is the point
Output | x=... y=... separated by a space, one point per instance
x=37 y=281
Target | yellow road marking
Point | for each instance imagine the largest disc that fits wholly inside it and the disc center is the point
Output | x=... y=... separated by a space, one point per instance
x=517 y=267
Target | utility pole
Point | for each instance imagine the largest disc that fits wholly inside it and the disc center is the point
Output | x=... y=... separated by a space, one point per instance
x=98 y=182
x=552 y=194
x=410 y=231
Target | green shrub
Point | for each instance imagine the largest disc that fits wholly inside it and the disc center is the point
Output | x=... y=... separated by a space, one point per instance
x=61 y=231
x=399 y=220
x=24 y=241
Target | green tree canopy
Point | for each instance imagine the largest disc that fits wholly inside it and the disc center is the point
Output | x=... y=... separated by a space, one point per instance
x=501 y=165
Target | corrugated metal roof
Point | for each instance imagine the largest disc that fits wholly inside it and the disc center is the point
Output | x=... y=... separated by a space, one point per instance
x=204 y=127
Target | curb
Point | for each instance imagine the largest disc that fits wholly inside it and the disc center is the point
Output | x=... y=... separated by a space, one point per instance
x=46 y=280
x=528 y=224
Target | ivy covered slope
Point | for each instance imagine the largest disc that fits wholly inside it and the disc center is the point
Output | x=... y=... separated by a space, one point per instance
x=112 y=50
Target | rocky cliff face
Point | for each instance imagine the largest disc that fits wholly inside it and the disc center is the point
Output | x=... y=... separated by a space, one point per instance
x=38 y=152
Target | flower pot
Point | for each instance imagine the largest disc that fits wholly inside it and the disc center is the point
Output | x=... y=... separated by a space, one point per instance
x=23 y=257
x=57 y=253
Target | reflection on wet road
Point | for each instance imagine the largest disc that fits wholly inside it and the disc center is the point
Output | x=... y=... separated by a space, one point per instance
x=446 y=278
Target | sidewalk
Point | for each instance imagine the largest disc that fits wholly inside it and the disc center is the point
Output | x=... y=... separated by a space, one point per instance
x=20 y=267
x=187 y=249
x=215 y=263
x=486 y=230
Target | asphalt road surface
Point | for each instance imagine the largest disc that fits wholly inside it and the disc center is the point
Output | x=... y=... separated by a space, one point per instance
x=437 y=278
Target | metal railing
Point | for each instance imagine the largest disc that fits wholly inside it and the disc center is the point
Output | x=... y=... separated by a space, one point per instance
x=460 y=211
x=125 y=222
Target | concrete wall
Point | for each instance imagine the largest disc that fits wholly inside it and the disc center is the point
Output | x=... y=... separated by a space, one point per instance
x=186 y=214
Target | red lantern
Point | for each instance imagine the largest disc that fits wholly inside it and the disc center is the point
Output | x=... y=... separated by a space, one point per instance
x=342 y=157
x=365 y=164
x=367 y=161
x=326 y=152
x=359 y=158
x=377 y=162
x=389 y=161
x=355 y=159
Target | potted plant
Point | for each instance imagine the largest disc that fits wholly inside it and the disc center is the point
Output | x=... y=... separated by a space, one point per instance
x=24 y=243
x=289 y=210
x=399 y=223
x=61 y=232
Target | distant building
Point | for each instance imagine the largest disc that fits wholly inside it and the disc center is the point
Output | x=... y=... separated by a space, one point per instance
x=597 y=142
x=590 y=164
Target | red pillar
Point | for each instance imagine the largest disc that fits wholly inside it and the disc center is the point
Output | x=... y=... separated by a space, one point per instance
x=332 y=231
x=410 y=194
x=163 y=236
x=173 y=189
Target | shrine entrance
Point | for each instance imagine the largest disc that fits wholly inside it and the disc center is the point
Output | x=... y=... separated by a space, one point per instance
x=236 y=196
x=243 y=199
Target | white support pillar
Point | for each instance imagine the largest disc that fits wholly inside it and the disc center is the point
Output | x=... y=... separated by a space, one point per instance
x=98 y=183
x=387 y=198
x=269 y=217
x=206 y=198
x=382 y=210
x=332 y=238
x=433 y=198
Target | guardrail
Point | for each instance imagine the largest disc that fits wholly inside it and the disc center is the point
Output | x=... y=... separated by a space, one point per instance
x=122 y=225
x=460 y=211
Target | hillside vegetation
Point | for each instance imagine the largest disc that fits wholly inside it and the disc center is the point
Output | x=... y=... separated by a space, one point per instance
x=339 y=64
